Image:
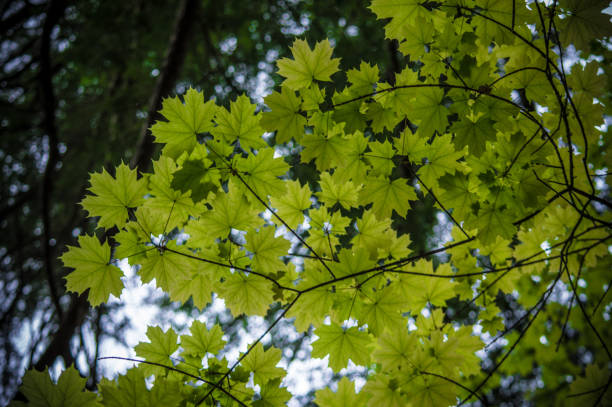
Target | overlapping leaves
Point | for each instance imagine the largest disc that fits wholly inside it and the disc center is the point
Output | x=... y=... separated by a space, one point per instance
x=484 y=126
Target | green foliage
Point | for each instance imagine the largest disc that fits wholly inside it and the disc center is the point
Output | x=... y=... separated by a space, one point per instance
x=512 y=174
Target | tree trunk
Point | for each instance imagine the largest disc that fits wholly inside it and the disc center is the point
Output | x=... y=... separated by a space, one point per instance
x=170 y=71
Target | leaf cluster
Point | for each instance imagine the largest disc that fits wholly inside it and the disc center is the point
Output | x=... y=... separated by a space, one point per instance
x=486 y=121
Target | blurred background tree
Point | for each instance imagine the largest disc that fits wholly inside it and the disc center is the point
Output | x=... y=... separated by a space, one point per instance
x=80 y=84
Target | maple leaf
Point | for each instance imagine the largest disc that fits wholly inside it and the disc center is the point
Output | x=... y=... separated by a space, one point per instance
x=202 y=340
x=246 y=295
x=312 y=97
x=129 y=390
x=335 y=190
x=387 y=196
x=344 y=396
x=38 y=388
x=370 y=229
x=354 y=165
x=92 y=270
x=493 y=221
x=174 y=207
x=114 y=196
x=441 y=159
x=420 y=290
x=230 y=211
x=263 y=364
x=429 y=112
x=185 y=122
x=382 y=311
x=431 y=391
x=328 y=151
x=272 y=395
x=159 y=350
x=351 y=261
x=313 y=305
x=395 y=349
x=261 y=173
x=402 y=13
x=385 y=391
x=291 y=205
x=284 y=117
x=266 y=249
x=239 y=123
x=196 y=174
x=341 y=345
x=583 y=20
x=473 y=130
x=402 y=96
x=382 y=117
x=416 y=38
x=380 y=156
x=307 y=64
x=349 y=111
x=168 y=268
x=589 y=388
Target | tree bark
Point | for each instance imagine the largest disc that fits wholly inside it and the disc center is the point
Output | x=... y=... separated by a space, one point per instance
x=175 y=56
x=54 y=13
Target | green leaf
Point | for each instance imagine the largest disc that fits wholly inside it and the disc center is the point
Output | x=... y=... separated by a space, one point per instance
x=185 y=121
x=168 y=269
x=266 y=250
x=173 y=206
x=382 y=311
x=307 y=64
x=129 y=390
x=92 y=270
x=420 y=290
x=363 y=80
x=441 y=159
x=387 y=196
x=380 y=156
x=335 y=190
x=284 y=117
x=315 y=304
x=395 y=349
x=385 y=391
x=159 y=350
x=240 y=123
x=292 y=204
x=196 y=175
x=589 y=387
x=431 y=391
x=473 y=130
x=40 y=391
x=272 y=395
x=229 y=211
x=261 y=172
x=341 y=345
x=584 y=21
x=493 y=221
x=202 y=340
x=328 y=150
x=371 y=232
x=416 y=38
x=114 y=196
x=263 y=364
x=344 y=396
x=246 y=295
x=402 y=13
x=428 y=111
x=198 y=286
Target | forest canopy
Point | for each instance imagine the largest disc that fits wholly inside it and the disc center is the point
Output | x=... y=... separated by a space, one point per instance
x=304 y=213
